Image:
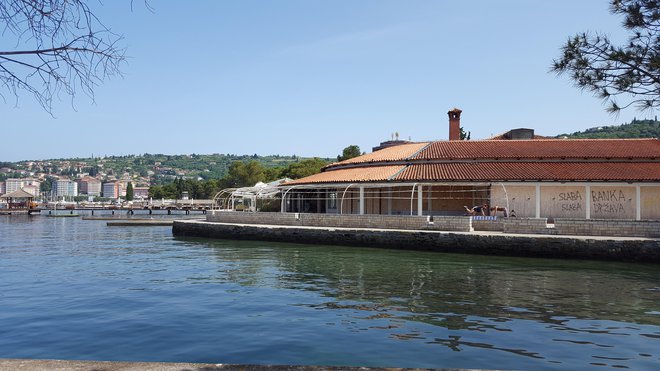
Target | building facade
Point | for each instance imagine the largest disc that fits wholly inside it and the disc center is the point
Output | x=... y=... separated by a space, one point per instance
x=66 y=188
x=531 y=177
x=89 y=186
x=112 y=190
x=32 y=185
x=141 y=193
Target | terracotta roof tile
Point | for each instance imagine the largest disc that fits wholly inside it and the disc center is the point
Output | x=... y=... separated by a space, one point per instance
x=542 y=149
x=364 y=174
x=396 y=153
x=532 y=171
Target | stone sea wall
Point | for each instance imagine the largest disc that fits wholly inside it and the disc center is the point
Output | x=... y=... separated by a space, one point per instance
x=561 y=226
x=412 y=222
x=545 y=246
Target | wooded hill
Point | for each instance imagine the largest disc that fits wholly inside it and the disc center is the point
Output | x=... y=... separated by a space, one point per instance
x=635 y=129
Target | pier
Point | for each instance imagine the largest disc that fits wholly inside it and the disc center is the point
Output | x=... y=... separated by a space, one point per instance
x=19 y=211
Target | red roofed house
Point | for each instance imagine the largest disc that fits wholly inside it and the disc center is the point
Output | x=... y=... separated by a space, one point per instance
x=534 y=176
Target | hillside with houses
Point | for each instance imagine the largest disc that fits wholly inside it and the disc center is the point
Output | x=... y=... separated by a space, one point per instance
x=109 y=177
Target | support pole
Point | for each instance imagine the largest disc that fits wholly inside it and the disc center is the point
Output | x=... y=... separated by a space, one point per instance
x=389 y=201
x=587 y=190
x=638 y=203
x=361 y=200
x=429 y=200
x=538 y=201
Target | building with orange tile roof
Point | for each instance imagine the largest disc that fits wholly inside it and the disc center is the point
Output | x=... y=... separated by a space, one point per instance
x=518 y=170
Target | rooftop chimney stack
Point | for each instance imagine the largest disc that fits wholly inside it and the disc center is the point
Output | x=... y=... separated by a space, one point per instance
x=454 y=124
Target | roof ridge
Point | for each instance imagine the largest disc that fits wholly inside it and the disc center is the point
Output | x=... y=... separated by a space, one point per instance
x=393 y=176
x=545 y=140
x=418 y=151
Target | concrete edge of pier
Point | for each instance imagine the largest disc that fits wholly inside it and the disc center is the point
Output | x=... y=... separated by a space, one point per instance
x=64 y=365
x=628 y=249
x=137 y=223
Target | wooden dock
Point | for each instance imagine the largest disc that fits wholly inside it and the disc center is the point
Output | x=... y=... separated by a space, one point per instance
x=19 y=211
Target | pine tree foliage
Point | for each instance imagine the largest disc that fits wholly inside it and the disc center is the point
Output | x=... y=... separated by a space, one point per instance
x=622 y=76
x=129 y=192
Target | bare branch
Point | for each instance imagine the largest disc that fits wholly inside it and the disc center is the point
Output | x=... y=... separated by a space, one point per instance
x=61 y=47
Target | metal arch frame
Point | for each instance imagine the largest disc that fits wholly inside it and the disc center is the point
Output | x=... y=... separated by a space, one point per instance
x=341 y=204
x=284 y=197
x=218 y=195
x=412 y=197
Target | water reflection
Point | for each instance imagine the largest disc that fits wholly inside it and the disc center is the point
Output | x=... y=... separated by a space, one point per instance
x=77 y=289
x=427 y=284
x=473 y=301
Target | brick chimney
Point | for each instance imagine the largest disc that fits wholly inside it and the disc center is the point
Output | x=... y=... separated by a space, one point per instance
x=454 y=124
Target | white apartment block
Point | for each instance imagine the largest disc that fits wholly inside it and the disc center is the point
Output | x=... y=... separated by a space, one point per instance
x=67 y=187
x=14 y=184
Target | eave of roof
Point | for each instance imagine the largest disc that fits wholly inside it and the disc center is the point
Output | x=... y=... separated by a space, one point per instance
x=493 y=172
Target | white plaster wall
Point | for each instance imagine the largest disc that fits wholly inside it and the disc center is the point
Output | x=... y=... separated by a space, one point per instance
x=650 y=202
x=522 y=199
x=564 y=201
x=613 y=202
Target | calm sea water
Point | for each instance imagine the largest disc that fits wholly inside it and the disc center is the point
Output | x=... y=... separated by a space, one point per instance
x=74 y=289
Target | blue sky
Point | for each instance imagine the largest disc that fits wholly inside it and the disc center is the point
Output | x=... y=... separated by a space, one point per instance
x=311 y=77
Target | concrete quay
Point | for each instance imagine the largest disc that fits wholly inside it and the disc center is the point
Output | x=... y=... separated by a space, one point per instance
x=627 y=249
x=60 y=365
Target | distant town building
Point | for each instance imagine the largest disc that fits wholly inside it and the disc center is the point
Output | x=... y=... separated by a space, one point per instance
x=89 y=186
x=140 y=193
x=66 y=187
x=32 y=189
x=14 y=184
x=3 y=189
x=112 y=190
